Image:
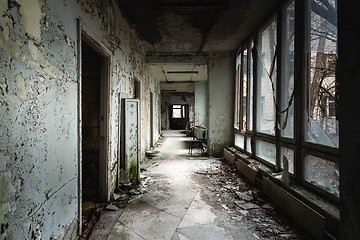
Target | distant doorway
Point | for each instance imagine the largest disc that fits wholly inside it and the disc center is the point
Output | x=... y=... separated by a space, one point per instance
x=179 y=116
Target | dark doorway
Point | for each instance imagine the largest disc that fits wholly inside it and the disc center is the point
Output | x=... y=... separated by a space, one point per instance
x=151 y=119
x=179 y=116
x=91 y=109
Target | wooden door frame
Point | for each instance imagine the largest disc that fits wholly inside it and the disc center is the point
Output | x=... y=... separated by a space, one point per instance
x=84 y=34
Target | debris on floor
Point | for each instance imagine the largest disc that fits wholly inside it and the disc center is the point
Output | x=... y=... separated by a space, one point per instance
x=244 y=202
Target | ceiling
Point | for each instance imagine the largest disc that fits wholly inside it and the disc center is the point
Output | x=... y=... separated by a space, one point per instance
x=179 y=72
x=178 y=26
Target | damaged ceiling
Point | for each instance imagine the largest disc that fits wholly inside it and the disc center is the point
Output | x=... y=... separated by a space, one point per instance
x=178 y=26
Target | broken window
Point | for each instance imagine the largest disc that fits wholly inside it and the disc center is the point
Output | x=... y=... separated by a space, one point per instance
x=251 y=88
x=322 y=173
x=289 y=155
x=244 y=90
x=237 y=93
x=320 y=126
x=286 y=121
x=270 y=91
x=266 y=65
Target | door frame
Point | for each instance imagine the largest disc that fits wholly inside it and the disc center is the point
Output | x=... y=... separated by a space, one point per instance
x=84 y=34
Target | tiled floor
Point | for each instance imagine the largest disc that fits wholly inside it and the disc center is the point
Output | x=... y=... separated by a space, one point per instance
x=174 y=206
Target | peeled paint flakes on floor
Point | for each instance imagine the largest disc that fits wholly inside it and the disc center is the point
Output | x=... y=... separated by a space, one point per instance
x=183 y=198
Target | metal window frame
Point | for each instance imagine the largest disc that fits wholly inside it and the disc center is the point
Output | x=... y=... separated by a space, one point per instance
x=297 y=143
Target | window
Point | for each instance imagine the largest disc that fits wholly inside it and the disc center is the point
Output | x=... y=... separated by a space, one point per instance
x=286 y=121
x=266 y=65
x=321 y=128
x=322 y=173
x=176 y=111
x=237 y=93
x=250 y=88
x=287 y=115
x=244 y=90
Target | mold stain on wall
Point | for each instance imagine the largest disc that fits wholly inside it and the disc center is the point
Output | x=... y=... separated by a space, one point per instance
x=38 y=108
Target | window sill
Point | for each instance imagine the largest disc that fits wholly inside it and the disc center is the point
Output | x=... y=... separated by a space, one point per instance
x=256 y=171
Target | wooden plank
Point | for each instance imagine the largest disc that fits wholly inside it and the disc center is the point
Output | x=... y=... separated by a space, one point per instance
x=308 y=218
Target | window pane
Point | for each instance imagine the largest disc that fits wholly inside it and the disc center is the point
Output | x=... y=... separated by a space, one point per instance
x=289 y=154
x=237 y=94
x=244 y=90
x=321 y=121
x=287 y=84
x=239 y=140
x=266 y=151
x=250 y=92
x=266 y=79
x=248 y=144
x=176 y=113
x=322 y=173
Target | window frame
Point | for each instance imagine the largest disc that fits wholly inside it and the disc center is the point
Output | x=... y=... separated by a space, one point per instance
x=297 y=143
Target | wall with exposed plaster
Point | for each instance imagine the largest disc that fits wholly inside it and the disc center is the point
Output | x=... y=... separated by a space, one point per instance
x=201 y=103
x=39 y=108
x=220 y=101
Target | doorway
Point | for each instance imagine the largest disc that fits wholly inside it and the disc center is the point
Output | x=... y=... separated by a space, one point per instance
x=151 y=119
x=179 y=116
x=94 y=124
x=91 y=125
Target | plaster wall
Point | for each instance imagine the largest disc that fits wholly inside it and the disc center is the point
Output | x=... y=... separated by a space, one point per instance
x=39 y=108
x=201 y=104
x=220 y=101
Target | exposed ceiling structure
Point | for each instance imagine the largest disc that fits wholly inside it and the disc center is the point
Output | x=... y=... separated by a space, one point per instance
x=178 y=26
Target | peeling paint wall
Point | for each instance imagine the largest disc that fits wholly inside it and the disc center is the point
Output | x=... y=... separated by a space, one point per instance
x=39 y=108
x=220 y=101
x=201 y=103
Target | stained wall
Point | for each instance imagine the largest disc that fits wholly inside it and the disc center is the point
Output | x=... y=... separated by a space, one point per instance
x=39 y=74
x=220 y=101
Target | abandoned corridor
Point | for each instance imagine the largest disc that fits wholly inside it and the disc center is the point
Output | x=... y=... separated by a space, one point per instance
x=193 y=197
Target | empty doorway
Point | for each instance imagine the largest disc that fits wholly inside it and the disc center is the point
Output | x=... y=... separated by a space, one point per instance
x=179 y=116
x=94 y=123
x=91 y=125
x=151 y=119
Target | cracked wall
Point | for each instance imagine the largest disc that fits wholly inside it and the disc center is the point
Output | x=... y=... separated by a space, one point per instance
x=39 y=108
x=220 y=101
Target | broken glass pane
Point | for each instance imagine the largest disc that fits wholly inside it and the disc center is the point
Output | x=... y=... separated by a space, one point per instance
x=237 y=93
x=322 y=173
x=287 y=84
x=244 y=90
x=321 y=115
x=289 y=154
x=248 y=144
x=251 y=87
x=266 y=49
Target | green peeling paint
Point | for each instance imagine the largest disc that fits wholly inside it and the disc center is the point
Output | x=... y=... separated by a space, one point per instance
x=4 y=207
x=133 y=172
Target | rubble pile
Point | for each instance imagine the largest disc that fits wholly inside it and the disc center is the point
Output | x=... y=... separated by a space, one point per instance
x=245 y=202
